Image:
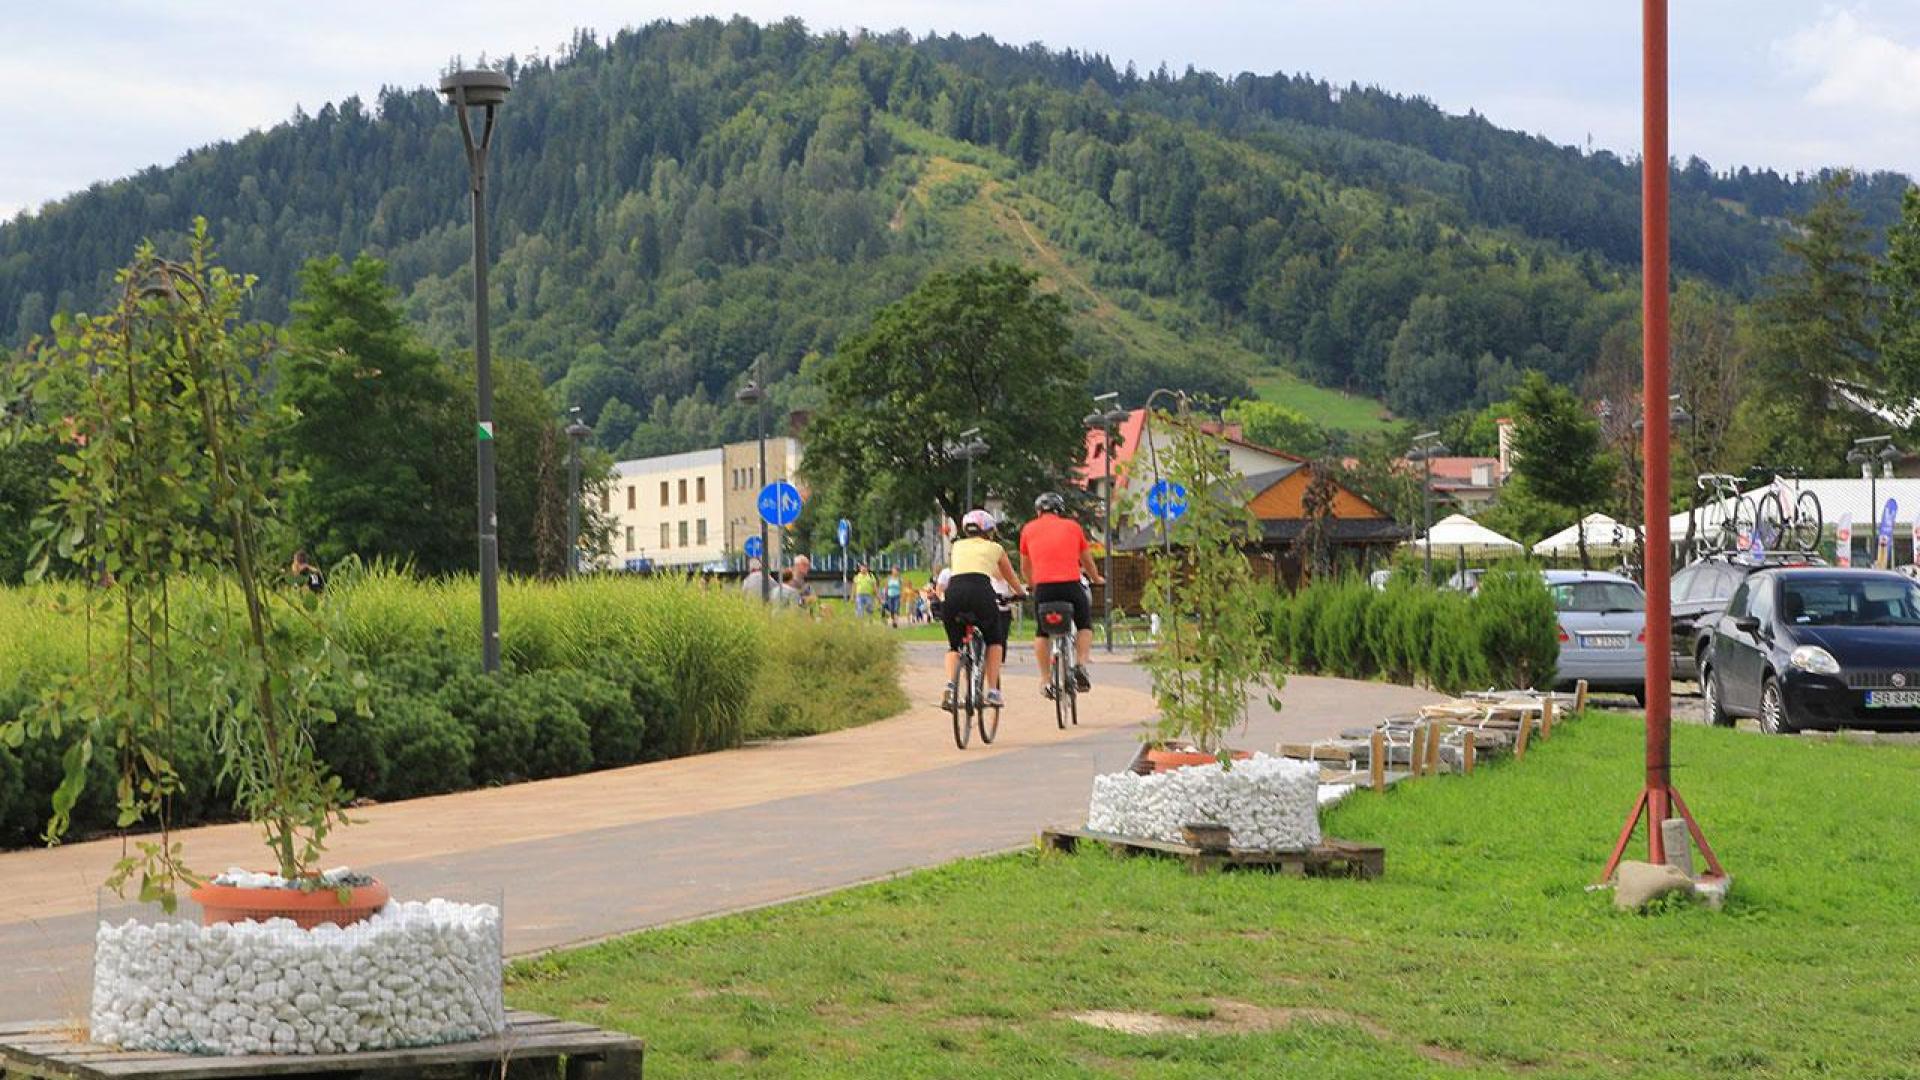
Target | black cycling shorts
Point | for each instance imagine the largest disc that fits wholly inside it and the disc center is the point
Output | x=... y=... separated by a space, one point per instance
x=972 y=594
x=1064 y=592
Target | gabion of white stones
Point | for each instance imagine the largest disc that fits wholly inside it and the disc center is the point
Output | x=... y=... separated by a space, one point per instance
x=1267 y=803
x=415 y=974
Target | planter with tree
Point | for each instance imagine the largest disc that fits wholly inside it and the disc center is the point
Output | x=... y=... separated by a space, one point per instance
x=164 y=510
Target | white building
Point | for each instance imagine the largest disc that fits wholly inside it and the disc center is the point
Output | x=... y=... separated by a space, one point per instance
x=668 y=511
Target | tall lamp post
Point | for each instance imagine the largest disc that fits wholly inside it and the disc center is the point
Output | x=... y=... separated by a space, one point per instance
x=970 y=448
x=1866 y=453
x=1106 y=422
x=755 y=393
x=577 y=433
x=1657 y=795
x=1426 y=447
x=486 y=91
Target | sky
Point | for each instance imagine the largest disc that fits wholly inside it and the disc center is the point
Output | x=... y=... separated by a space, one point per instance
x=103 y=88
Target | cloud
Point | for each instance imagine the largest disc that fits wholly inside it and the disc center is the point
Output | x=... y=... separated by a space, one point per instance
x=1853 y=65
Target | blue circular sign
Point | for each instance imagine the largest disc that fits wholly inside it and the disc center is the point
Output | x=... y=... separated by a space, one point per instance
x=755 y=549
x=846 y=531
x=779 y=503
x=1167 y=500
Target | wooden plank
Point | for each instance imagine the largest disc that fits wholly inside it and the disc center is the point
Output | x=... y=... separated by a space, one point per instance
x=1331 y=857
x=536 y=1041
x=1466 y=751
x=1377 y=763
x=1520 y=742
x=1433 y=749
x=1580 y=696
x=614 y=1065
x=1546 y=718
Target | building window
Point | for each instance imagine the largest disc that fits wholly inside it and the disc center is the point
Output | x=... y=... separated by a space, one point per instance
x=700 y=533
x=683 y=530
x=683 y=493
x=629 y=539
x=663 y=493
x=700 y=489
x=666 y=535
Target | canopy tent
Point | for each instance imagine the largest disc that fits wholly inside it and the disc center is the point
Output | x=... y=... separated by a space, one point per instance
x=1462 y=536
x=1605 y=536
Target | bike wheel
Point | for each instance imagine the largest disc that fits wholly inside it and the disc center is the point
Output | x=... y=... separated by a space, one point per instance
x=1809 y=524
x=1073 y=702
x=1770 y=521
x=962 y=707
x=1062 y=682
x=989 y=723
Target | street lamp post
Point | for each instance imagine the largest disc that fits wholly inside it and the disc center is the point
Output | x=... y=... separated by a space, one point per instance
x=577 y=433
x=1866 y=453
x=970 y=447
x=755 y=393
x=1426 y=447
x=1106 y=421
x=486 y=91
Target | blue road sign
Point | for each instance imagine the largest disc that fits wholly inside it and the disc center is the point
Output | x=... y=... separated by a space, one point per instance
x=779 y=503
x=846 y=531
x=1167 y=500
x=755 y=549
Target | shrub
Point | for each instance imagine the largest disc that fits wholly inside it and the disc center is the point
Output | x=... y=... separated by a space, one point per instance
x=1341 y=639
x=1454 y=662
x=824 y=675
x=1517 y=626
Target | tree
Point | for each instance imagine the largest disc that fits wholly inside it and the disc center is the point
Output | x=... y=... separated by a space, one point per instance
x=979 y=347
x=1898 y=276
x=1272 y=424
x=379 y=450
x=1816 y=334
x=26 y=465
x=1557 y=454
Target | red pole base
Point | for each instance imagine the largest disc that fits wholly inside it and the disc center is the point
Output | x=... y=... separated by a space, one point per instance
x=1659 y=798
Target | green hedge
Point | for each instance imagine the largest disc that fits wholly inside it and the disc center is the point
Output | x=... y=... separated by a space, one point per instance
x=598 y=673
x=1504 y=636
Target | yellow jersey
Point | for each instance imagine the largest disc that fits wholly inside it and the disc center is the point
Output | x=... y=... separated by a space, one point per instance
x=977 y=555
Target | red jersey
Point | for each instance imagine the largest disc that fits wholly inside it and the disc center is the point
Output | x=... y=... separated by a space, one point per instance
x=1055 y=545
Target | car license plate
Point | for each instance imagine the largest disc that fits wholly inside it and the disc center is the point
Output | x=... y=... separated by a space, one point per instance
x=1893 y=699
x=1604 y=641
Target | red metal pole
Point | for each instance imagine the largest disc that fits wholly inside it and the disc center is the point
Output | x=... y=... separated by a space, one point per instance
x=1653 y=400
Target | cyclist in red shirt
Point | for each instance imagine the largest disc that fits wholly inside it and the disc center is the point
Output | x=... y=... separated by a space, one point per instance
x=1055 y=558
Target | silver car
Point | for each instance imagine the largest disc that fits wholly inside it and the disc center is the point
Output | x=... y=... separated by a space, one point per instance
x=1603 y=631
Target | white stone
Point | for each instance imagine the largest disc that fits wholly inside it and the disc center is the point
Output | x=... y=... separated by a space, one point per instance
x=1267 y=803
x=415 y=974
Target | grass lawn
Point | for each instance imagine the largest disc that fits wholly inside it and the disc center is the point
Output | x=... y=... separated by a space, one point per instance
x=1479 y=953
x=1328 y=408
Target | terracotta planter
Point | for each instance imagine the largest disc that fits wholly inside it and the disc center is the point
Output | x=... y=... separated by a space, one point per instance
x=234 y=903
x=1157 y=759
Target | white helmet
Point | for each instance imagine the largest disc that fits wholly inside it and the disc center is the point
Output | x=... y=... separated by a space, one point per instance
x=977 y=523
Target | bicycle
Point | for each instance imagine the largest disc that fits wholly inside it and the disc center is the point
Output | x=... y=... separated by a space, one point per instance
x=1804 y=529
x=968 y=705
x=1729 y=516
x=1056 y=621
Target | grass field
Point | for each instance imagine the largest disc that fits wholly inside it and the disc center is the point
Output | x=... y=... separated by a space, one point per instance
x=1328 y=408
x=1479 y=954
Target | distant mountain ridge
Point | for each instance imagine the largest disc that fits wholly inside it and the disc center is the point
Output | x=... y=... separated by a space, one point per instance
x=675 y=199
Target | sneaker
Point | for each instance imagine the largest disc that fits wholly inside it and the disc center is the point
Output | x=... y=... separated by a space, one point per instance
x=1047 y=691
x=1080 y=680
x=946 y=697
x=994 y=700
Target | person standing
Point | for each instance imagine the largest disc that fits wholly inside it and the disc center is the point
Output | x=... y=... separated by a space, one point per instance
x=890 y=599
x=863 y=589
x=1054 y=556
x=307 y=574
x=751 y=584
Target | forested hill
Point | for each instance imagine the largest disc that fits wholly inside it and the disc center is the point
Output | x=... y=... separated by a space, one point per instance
x=676 y=199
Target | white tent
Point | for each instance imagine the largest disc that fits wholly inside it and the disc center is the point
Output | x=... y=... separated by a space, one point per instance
x=1605 y=536
x=1460 y=535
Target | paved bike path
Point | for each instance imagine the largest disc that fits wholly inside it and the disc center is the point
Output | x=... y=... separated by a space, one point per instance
x=590 y=857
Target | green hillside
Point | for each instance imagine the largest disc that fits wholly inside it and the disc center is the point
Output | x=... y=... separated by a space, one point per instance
x=676 y=199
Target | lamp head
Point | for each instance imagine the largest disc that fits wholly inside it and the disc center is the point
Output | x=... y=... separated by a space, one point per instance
x=483 y=87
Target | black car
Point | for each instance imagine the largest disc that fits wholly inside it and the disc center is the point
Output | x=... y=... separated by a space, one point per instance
x=1699 y=594
x=1817 y=648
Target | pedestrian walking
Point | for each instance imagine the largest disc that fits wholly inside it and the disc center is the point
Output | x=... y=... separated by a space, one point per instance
x=307 y=574
x=863 y=591
x=750 y=585
x=890 y=598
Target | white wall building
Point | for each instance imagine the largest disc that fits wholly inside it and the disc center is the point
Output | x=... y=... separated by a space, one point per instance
x=669 y=511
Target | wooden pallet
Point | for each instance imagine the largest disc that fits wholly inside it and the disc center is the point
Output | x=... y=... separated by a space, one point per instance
x=1333 y=858
x=533 y=1046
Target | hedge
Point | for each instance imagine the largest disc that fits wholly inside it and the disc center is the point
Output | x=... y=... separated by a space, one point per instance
x=1506 y=635
x=598 y=673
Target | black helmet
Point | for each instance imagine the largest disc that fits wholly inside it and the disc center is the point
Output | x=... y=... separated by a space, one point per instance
x=1050 y=503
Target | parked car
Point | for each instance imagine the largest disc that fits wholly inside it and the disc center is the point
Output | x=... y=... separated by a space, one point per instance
x=1699 y=594
x=1603 y=631
x=1817 y=648
x=1466 y=581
